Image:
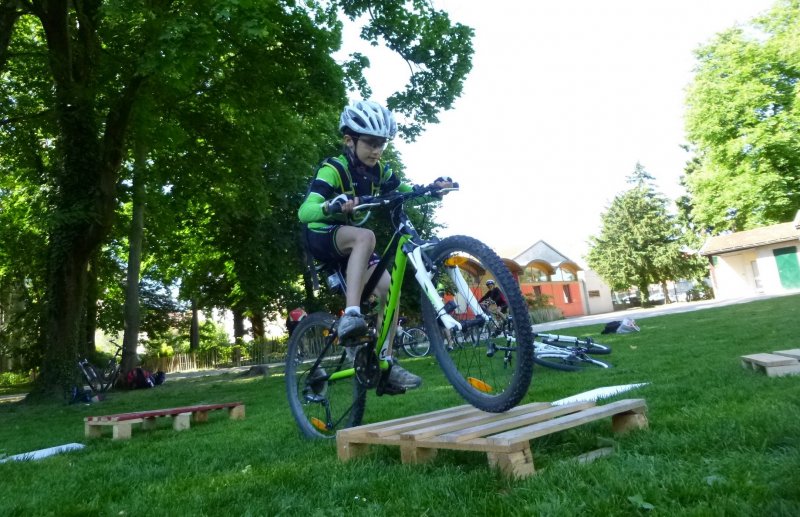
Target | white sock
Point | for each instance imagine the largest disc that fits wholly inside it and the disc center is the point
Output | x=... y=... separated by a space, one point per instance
x=353 y=310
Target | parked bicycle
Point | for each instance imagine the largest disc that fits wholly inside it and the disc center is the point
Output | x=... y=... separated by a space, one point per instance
x=413 y=340
x=327 y=392
x=101 y=380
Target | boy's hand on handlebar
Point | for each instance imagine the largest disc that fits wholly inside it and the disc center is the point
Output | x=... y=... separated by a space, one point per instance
x=445 y=183
x=341 y=204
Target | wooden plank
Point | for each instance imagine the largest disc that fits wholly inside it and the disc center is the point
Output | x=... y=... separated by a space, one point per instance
x=161 y=412
x=565 y=422
x=363 y=429
x=780 y=371
x=769 y=359
x=425 y=422
x=488 y=428
x=793 y=353
x=471 y=422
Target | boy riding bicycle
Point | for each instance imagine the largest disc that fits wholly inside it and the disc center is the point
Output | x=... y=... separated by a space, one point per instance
x=333 y=234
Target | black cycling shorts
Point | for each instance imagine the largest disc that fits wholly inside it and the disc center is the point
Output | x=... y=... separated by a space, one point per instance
x=322 y=245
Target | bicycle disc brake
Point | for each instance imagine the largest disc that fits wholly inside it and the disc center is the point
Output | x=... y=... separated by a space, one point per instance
x=367 y=366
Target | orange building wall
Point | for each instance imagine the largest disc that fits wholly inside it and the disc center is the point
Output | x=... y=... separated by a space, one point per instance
x=555 y=292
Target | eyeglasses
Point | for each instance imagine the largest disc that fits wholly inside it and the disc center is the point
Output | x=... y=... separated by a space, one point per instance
x=374 y=143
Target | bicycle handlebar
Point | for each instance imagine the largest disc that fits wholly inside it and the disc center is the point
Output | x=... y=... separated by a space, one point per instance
x=365 y=202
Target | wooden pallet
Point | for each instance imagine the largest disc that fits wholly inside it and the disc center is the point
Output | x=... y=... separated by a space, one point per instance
x=504 y=437
x=776 y=364
x=121 y=423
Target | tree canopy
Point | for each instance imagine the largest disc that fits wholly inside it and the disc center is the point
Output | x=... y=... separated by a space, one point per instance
x=232 y=103
x=743 y=123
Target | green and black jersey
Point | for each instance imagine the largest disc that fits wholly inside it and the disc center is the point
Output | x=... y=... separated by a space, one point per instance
x=334 y=178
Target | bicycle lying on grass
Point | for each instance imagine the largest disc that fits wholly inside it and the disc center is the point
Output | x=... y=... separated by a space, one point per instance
x=566 y=353
x=327 y=391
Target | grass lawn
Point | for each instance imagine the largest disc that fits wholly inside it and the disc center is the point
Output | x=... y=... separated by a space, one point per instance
x=722 y=441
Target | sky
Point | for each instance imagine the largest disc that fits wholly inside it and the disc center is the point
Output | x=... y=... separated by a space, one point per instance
x=564 y=98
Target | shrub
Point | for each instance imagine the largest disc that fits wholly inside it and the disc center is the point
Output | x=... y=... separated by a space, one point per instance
x=546 y=314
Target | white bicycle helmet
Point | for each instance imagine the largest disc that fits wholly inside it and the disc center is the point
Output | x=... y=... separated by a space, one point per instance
x=368 y=118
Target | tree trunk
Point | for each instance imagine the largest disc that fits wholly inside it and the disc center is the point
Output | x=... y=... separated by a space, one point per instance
x=91 y=151
x=89 y=323
x=257 y=324
x=194 y=329
x=238 y=335
x=131 y=339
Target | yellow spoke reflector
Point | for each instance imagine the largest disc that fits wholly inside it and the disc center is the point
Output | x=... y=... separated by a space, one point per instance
x=479 y=385
x=319 y=424
x=455 y=261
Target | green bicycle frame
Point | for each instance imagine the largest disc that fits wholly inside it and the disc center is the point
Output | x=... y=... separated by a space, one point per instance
x=405 y=243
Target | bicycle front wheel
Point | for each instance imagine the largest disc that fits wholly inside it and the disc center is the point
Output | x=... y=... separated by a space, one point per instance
x=488 y=380
x=416 y=342
x=319 y=405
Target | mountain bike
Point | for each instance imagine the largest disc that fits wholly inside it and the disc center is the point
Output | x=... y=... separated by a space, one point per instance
x=327 y=391
x=101 y=380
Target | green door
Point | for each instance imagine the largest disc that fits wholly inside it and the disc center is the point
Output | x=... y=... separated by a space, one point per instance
x=788 y=267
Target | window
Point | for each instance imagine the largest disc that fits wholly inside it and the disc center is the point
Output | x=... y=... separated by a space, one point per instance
x=567 y=294
x=533 y=274
x=537 y=291
x=565 y=275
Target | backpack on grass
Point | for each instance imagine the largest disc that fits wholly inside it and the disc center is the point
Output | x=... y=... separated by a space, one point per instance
x=139 y=378
x=625 y=326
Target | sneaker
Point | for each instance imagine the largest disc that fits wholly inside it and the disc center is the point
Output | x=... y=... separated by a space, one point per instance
x=351 y=325
x=402 y=378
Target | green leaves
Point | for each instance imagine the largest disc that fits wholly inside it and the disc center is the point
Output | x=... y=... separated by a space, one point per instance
x=743 y=120
x=235 y=101
x=438 y=53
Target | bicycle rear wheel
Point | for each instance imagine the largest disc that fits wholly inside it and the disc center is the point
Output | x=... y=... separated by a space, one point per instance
x=321 y=406
x=416 y=342
x=461 y=265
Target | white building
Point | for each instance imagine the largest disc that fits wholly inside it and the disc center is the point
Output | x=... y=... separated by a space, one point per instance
x=760 y=261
